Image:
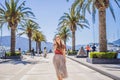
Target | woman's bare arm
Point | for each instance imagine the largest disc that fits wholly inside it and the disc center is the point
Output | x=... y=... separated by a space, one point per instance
x=54 y=46
x=64 y=53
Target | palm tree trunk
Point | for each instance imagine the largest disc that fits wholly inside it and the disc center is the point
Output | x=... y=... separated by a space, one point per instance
x=36 y=46
x=102 y=30
x=65 y=41
x=29 y=44
x=13 y=40
x=40 y=46
x=73 y=40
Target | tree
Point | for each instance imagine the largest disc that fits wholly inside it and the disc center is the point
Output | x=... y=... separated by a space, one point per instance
x=38 y=37
x=13 y=13
x=28 y=28
x=73 y=19
x=101 y=6
x=64 y=33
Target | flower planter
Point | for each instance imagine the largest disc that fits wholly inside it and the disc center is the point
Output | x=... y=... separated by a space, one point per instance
x=71 y=55
x=13 y=57
x=103 y=61
x=81 y=56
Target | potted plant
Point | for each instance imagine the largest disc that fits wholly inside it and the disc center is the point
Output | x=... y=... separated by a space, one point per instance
x=103 y=58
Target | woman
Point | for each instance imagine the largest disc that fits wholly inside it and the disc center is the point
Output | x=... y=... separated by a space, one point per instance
x=59 y=59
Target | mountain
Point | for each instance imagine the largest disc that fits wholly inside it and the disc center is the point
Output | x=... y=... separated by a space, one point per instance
x=117 y=42
x=23 y=43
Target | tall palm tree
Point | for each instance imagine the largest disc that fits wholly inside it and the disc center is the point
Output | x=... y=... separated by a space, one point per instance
x=101 y=6
x=64 y=33
x=73 y=20
x=13 y=13
x=28 y=28
x=38 y=37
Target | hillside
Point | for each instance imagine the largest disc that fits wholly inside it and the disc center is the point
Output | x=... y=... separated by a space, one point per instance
x=117 y=42
x=23 y=43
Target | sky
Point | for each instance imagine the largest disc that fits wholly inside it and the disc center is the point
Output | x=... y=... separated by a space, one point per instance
x=48 y=12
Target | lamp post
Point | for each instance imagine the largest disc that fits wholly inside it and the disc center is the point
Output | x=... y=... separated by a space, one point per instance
x=93 y=34
x=1 y=37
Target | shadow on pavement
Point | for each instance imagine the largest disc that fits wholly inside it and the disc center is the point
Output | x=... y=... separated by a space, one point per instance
x=115 y=67
x=15 y=62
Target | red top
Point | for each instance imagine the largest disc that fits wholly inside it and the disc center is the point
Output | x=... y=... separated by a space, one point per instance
x=57 y=51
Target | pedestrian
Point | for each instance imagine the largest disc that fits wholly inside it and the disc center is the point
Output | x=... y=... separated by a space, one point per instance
x=32 y=53
x=87 y=49
x=45 y=52
x=59 y=59
x=19 y=50
x=93 y=48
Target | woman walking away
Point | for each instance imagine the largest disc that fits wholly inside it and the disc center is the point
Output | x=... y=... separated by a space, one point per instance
x=59 y=59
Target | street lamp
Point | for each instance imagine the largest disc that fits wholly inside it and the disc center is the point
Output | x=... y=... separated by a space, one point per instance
x=93 y=34
x=1 y=36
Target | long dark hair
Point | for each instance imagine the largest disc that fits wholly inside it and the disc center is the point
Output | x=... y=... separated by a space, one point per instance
x=59 y=46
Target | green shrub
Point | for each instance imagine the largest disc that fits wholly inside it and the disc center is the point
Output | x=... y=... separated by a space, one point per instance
x=72 y=52
x=16 y=53
x=8 y=53
x=103 y=55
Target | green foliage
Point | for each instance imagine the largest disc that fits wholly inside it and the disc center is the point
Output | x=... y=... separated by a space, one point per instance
x=38 y=36
x=103 y=55
x=72 y=52
x=64 y=33
x=8 y=53
x=16 y=53
x=92 y=5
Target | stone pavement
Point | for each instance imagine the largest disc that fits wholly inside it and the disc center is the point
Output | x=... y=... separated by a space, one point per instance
x=110 y=70
x=39 y=68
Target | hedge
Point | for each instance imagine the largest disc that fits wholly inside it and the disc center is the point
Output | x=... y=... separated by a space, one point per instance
x=103 y=55
x=72 y=52
x=16 y=53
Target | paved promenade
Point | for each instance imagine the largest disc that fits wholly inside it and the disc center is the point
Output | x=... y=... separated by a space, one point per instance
x=111 y=70
x=39 y=68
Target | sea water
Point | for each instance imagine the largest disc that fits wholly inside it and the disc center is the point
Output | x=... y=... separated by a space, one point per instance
x=118 y=56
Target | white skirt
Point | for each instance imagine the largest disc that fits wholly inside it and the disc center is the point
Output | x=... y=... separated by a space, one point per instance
x=60 y=65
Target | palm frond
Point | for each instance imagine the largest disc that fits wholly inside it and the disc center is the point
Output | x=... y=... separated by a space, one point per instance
x=112 y=11
x=7 y=5
x=28 y=13
x=63 y=17
x=117 y=2
x=21 y=5
x=20 y=34
x=3 y=7
x=62 y=22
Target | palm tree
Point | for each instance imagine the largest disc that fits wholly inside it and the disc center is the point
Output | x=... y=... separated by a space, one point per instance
x=28 y=28
x=38 y=37
x=13 y=13
x=72 y=20
x=101 y=5
x=64 y=33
